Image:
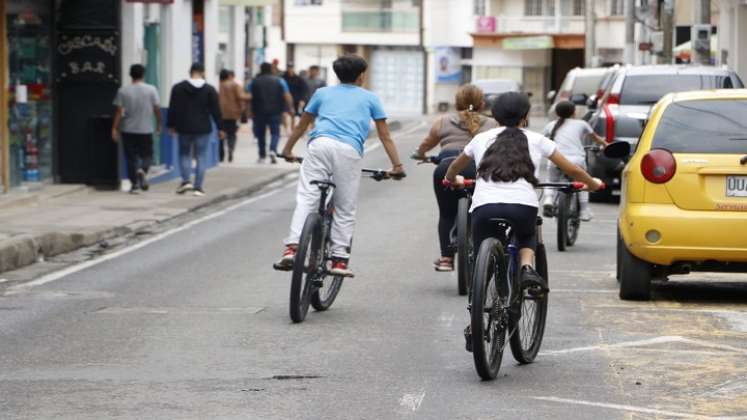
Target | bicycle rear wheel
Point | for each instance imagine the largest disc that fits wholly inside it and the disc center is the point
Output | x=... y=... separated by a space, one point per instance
x=574 y=218
x=323 y=297
x=562 y=220
x=529 y=329
x=464 y=247
x=305 y=267
x=487 y=323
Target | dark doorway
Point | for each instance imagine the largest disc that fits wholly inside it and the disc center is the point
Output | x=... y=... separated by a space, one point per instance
x=87 y=76
x=562 y=62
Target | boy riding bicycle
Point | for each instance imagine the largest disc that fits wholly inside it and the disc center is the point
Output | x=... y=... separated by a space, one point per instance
x=341 y=115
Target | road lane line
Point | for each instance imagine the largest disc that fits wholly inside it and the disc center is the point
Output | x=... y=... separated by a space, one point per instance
x=20 y=288
x=632 y=408
x=412 y=401
x=636 y=343
x=282 y=185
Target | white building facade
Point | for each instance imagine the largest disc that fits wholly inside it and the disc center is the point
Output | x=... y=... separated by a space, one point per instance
x=733 y=36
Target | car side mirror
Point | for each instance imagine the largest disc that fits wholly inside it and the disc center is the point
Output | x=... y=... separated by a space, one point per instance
x=617 y=150
x=579 y=99
x=551 y=95
x=591 y=103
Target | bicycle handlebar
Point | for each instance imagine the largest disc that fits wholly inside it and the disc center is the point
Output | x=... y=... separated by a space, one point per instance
x=564 y=186
x=467 y=183
x=376 y=174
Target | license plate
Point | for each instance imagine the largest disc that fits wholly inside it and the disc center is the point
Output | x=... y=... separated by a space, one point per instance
x=736 y=186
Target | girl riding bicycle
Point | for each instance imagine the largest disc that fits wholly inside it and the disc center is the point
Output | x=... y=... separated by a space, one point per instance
x=569 y=135
x=507 y=160
x=452 y=133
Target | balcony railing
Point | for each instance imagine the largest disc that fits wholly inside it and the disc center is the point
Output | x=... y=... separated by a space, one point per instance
x=380 y=21
x=536 y=25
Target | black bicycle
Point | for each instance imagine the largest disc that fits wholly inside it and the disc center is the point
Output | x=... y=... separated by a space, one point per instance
x=567 y=212
x=311 y=282
x=461 y=233
x=500 y=308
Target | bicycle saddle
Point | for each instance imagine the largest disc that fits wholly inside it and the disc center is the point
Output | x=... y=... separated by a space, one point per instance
x=324 y=184
x=504 y=226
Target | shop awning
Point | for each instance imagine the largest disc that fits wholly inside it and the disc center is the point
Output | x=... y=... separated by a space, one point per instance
x=248 y=2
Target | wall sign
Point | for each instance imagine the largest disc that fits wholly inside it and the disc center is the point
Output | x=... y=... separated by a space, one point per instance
x=88 y=57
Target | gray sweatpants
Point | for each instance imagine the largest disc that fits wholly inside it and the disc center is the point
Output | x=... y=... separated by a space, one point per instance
x=328 y=159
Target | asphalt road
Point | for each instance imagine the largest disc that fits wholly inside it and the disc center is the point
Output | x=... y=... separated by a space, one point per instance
x=195 y=325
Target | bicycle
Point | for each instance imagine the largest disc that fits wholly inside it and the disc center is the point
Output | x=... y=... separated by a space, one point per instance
x=567 y=212
x=461 y=233
x=499 y=307
x=309 y=285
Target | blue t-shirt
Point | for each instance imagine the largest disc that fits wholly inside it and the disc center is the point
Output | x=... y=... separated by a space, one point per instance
x=344 y=112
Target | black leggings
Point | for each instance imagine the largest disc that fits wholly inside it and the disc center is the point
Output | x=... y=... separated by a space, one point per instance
x=523 y=219
x=447 y=199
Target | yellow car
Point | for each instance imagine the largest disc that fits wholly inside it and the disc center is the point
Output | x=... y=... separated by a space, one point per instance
x=684 y=194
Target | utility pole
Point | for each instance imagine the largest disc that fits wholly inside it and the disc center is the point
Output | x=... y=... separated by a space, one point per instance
x=629 y=56
x=702 y=16
x=591 y=40
x=667 y=27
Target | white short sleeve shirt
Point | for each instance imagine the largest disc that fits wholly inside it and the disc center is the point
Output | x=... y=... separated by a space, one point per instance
x=519 y=192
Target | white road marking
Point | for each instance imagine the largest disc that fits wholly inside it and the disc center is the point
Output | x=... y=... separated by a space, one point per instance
x=20 y=288
x=412 y=401
x=3 y=280
x=51 y=277
x=647 y=342
x=632 y=408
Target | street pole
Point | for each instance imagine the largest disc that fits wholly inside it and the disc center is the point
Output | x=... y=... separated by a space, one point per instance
x=629 y=56
x=667 y=28
x=590 y=45
x=702 y=12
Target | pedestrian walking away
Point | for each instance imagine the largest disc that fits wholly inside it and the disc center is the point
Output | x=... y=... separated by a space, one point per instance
x=137 y=106
x=314 y=81
x=193 y=109
x=452 y=133
x=343 y=114
x=299 y=91
x=270 y=97
x=232 y=103
x=570 y=135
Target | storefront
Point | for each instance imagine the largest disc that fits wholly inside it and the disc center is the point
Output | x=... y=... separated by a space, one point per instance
x=28 y=100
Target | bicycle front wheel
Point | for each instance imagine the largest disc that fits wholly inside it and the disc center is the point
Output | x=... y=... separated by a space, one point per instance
x=529 y=329
x=464 y=247
x=324 y=295
x=562 y=220
x=487 y=320
x=308 y=256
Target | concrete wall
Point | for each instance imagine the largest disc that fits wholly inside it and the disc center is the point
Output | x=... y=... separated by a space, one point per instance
x=733 y=36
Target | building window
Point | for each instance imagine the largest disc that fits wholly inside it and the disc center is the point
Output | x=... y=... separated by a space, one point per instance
x=381 y=16
x=479 y=8
x=539 y=7
x=579 y=8
x=308 y=2
x=617 y=7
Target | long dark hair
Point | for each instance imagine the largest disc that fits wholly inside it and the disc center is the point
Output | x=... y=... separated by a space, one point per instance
x=508 y=158
x=565 y=110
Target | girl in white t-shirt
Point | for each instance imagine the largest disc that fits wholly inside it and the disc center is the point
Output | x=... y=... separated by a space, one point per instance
x=508 y=160
x=570 y=135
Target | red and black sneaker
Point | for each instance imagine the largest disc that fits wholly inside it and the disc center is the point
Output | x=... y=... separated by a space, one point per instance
x=340 y=268
x=286 y=261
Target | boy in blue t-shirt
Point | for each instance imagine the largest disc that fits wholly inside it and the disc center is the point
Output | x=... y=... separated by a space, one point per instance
x=341 y=115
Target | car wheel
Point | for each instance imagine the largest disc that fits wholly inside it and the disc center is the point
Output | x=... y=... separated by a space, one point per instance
x=635 y=275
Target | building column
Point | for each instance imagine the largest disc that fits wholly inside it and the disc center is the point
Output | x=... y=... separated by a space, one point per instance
x=212 y=20
x=4 y=132
x=176 y=45
x=132 y=36
x=739 y=49
x=238 y=41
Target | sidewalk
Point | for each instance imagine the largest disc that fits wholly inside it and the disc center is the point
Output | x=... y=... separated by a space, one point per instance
x=62 y=218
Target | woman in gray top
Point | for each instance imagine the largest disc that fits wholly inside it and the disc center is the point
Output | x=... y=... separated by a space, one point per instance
x=452 y=133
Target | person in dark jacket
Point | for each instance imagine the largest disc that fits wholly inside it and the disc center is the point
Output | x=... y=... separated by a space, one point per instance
x=193 y=109
x=270 y=97
x=299 y=91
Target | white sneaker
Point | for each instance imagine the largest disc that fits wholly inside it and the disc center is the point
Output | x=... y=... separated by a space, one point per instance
x=184 y=187
x=586 y=215
x=198 y=192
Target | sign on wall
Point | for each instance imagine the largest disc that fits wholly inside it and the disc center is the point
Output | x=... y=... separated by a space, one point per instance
x=87 y=57
x=448 y=65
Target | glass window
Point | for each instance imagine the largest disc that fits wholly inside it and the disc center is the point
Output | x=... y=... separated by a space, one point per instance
x=539 y=7
x=479 y=8
x=587 y=84
x=617 y=7
x=648 y=89
x=704 y=126
x=308 y=2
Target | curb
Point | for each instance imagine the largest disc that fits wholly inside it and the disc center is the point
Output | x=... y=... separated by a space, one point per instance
x=25 y=249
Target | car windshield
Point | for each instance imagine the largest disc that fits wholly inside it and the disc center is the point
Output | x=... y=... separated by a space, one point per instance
x=497 y=86
x=704 y=126
x=587 y=84
x=648 y=89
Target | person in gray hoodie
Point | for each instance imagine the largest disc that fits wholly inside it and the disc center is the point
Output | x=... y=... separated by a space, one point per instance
x=194 y=109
